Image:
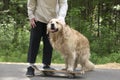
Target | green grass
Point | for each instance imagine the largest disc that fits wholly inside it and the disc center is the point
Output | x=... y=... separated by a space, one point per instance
x=18 y=56
x=114 y=57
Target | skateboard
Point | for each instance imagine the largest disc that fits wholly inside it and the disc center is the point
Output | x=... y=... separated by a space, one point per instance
x=48 y=72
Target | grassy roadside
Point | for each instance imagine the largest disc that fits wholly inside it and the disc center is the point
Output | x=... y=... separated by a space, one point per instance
x=17 y=56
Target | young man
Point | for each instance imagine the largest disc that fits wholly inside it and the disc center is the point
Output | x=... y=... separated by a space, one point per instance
x=39 y=13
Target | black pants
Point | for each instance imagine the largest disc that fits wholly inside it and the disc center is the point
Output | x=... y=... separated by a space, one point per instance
x=38 y=33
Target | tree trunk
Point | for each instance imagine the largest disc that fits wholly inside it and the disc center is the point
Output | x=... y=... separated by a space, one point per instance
x=6 y=4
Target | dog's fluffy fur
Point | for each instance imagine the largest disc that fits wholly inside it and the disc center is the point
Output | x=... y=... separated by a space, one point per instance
x=71 y=44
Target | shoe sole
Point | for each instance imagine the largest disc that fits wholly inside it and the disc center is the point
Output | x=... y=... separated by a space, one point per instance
x=29 y=75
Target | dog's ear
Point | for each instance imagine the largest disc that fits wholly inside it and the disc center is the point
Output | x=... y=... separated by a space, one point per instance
x=47 y=32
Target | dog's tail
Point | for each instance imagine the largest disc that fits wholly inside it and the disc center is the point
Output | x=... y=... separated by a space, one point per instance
x=89 y=66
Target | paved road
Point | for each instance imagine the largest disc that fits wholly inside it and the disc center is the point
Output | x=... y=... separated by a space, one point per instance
x=17 y=72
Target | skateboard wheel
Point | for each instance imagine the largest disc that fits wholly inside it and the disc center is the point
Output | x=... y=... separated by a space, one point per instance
x=71 y=76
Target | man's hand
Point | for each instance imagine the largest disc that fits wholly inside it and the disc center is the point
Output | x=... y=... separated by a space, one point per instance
x=61 y=20
x=32 y=22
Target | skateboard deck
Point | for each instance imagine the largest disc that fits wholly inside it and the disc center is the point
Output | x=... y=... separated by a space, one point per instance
x=48 y=72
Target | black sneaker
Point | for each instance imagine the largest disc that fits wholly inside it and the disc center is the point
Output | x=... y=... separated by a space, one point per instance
x=48 y=68
x=30 y=72
x=48 y=73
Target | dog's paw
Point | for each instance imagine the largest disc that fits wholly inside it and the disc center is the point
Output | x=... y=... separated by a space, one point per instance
x=82 y=72
x=70 y=69
x=64 y=69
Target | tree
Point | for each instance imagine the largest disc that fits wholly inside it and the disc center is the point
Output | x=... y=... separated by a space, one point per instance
x=98 y=20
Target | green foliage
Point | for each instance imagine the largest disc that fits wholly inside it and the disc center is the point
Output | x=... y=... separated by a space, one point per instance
x=114 y=57
x=57 y=57
x=98 y=20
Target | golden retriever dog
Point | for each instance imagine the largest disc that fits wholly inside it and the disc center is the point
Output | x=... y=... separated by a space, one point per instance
x=71 y=44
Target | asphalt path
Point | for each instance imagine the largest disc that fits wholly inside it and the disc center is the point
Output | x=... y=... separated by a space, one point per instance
x=17 y=71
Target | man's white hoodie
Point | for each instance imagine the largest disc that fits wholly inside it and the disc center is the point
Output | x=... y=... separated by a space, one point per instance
x=45 y=10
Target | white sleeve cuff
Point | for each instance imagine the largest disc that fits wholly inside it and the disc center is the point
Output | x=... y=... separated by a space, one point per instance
x=61 y=18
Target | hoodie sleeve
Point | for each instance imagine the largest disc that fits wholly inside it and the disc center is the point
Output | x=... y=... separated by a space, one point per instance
x=31 y=5
x=63 y=7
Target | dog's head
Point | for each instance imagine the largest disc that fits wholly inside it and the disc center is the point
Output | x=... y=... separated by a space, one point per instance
x=54 y=25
